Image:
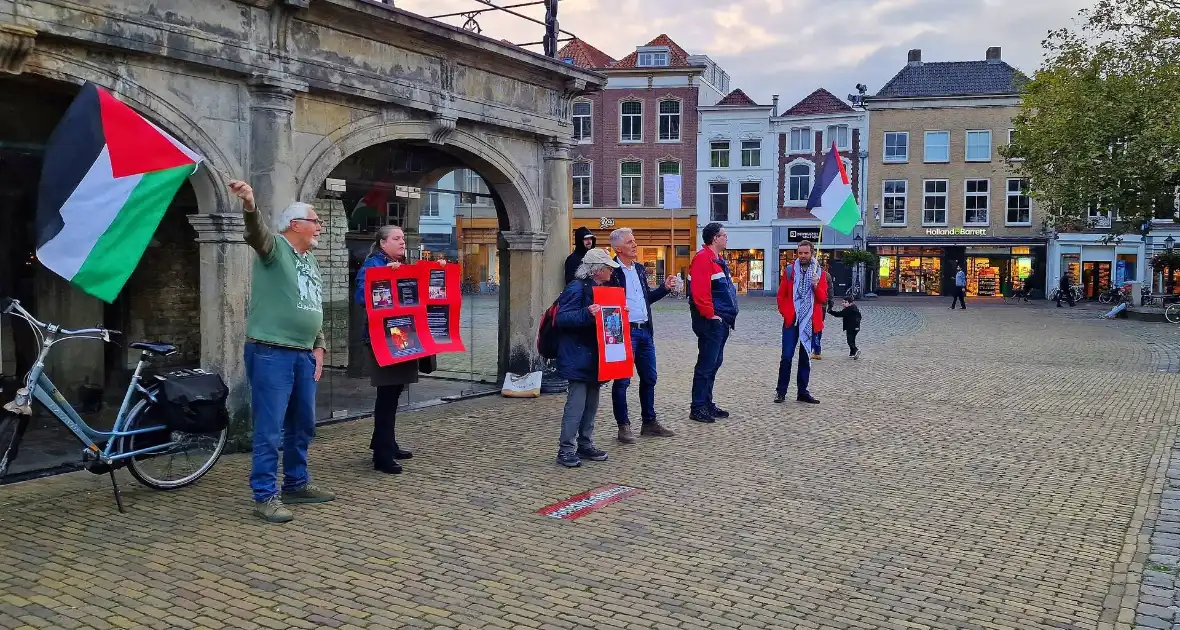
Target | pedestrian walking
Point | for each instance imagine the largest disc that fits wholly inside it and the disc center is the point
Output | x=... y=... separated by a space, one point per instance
x=284 y=353
x=577 y=358
x=819 y=334
x=802 y=295
x=960 y=288
x=1065 y=290
x=584 y=241
x=633 y=278
x=388 y=250
x=713 y=308
x=850 y=314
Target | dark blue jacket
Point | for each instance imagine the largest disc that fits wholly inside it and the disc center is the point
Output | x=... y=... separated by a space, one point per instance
x=577 y=343
x=619 y=279
x=378 y=259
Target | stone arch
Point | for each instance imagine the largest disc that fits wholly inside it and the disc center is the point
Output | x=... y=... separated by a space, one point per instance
x=208 y=184
x=520 y=200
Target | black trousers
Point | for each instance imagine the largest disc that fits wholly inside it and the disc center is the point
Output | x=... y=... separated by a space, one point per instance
x=851 y=334
x=384 y=441
x=960 y=297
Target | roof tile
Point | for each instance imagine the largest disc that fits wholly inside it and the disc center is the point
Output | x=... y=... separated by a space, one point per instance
x=585 y=56
x=677 y=57
x=738 y=98
x=820 y=101
x=954 y=78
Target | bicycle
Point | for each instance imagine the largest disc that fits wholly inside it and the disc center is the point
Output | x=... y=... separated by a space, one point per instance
x=137 y=439
x=1172 y=313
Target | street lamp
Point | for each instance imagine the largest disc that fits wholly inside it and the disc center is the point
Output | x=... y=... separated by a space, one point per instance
x=859 y=240
x=1169 y=243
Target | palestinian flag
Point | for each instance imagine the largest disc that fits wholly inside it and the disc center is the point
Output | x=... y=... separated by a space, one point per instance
x=371 y=206
x=107 y=179
x=831 y=199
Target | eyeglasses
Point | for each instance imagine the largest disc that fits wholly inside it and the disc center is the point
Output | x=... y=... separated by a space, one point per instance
x=319 y=222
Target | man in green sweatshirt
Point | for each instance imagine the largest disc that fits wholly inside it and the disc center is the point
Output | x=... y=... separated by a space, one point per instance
x=284 y=353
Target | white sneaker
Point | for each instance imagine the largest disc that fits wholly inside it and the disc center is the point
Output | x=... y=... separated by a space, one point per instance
x=856 y=356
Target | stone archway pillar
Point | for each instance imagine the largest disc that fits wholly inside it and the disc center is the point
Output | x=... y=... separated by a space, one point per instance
x=226 y=262
x=272 y=158
x=556 y=218
x=527 y=299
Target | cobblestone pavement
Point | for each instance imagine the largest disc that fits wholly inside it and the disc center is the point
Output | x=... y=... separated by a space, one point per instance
x=1000 y=467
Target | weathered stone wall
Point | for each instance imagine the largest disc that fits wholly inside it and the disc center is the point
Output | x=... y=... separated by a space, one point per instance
x=333 y=258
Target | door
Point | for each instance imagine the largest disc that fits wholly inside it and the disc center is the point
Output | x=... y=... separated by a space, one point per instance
x=1095 y=278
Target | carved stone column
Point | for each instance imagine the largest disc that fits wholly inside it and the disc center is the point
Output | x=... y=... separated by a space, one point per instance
x=226 y=262
x=527 y=300
x=16 y=44
x=272 y=159
x=556 y=218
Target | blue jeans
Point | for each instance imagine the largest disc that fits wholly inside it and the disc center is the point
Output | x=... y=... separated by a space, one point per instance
x=643 y=347
x=711 y=337
x=819 y=334
x=283 y=386
x=790 y=343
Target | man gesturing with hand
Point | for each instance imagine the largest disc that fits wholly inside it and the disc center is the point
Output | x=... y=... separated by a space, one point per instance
x=284 y=353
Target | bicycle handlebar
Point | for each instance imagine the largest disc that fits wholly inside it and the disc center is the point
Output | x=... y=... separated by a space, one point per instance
x=12 y=306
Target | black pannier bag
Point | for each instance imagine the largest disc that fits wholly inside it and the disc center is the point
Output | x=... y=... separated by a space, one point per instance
x=192 y=401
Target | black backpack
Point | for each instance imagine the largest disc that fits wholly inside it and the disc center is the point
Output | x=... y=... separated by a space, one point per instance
x=547 y=334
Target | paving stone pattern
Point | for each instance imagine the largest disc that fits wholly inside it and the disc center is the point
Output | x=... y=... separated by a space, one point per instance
x=995 y=468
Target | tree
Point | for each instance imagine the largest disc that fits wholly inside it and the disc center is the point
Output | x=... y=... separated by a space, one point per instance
x=1099 y=126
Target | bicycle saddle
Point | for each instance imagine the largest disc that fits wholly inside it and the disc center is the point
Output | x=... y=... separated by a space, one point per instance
x=155 y=347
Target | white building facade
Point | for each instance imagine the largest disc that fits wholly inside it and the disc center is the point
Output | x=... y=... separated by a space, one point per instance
x=737 y=184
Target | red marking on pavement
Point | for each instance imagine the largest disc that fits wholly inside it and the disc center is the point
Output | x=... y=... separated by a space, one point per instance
x=587 y=502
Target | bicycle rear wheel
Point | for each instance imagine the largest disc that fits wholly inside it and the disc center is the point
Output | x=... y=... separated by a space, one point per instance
x=1172 y=313
x=187 y=460
x=1105 y=298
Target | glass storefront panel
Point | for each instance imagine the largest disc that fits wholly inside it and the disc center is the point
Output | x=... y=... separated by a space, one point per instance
x=887 y=273
x=653 y=259
x=748 y=268
x=983 y=275
x=1126 y=268
x=919 y=274
x=1096 y=278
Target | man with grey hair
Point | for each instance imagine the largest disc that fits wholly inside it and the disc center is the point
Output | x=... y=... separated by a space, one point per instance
x=632 y=276
x=284 y=353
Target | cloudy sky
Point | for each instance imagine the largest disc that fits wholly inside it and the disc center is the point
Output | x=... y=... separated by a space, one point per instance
x=791 y=47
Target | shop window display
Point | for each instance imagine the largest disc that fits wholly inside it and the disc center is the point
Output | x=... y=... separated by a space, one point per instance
x=747 y=267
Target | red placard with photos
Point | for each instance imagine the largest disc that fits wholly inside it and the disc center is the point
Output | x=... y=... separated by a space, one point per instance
x=615 y=357
x=444 y=303
x=397 y=301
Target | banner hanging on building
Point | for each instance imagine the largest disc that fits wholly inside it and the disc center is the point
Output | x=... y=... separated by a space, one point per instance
x=615 y=358
x=413 y=311
x=672 y=192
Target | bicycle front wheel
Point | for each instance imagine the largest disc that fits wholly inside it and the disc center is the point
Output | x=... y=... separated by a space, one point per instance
x=1172 y=313
x=1105 y=298
x=189 y=457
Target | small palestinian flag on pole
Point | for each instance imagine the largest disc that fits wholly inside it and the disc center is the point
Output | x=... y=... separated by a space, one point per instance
x=831 y=199
x=107 y=179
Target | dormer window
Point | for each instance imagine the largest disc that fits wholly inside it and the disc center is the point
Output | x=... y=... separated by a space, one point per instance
x=567 y=60
x=652 y=58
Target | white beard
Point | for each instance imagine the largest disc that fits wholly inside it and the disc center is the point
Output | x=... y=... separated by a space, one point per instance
x=313 y=243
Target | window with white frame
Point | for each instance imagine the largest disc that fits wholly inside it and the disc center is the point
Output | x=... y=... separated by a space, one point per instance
x=630 y=183
x=719 y=154
x=631 y=121
x=583 y=130
x=798 y=182
x=1019 y=203
x=652 y=59
x=670 y=121
x=430 y=205
x=667 y=167
x=841 y=136
x=800 y=139
x=897 y=146
x=581 y=173
x=719 y=201
x=473 y=183
x=976 y=199
x=893 y=202
x=934 y=202
x=938 y=146
x=751 y=153
x=751 y=195
x=1012 y=139
x=979 y=146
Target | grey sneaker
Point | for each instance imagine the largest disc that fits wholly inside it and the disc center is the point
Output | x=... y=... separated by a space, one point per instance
x=308 y=494
x=592 y=454
x=569 y=460
x=272 y=510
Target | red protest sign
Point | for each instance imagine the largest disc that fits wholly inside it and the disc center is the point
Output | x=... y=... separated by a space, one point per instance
x=615 y=358
x=408 y=317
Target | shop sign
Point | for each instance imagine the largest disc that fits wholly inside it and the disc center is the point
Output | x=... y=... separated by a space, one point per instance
x=798 y=235
x=957 y=232
x=606 y=222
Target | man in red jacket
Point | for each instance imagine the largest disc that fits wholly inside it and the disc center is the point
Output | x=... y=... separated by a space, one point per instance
x=714 y=309
x=802 y=294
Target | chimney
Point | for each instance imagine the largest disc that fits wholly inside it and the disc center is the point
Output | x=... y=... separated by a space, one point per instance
x=993 y=54
x=915 y=57
x=774 y=105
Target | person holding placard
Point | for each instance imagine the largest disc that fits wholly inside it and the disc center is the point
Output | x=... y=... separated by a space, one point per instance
x=388 y=249
x=577 y=358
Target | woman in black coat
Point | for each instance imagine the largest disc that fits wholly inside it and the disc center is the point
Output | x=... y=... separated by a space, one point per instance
x=388 y=250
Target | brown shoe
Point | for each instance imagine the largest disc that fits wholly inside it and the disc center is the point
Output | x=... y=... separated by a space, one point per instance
x=655 y=429
x=625 y=435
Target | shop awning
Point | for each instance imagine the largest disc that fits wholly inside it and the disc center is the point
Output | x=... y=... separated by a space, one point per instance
x=959 y=241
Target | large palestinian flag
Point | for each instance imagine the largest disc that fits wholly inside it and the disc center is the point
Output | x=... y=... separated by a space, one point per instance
x=107 y=179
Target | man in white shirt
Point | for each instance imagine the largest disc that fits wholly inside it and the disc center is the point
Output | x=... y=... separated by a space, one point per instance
x=633 y=278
